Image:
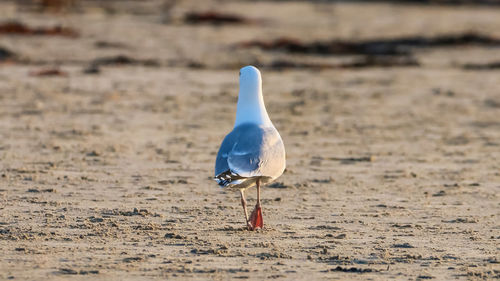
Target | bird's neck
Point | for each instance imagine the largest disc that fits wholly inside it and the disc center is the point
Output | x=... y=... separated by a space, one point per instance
x=251 y=109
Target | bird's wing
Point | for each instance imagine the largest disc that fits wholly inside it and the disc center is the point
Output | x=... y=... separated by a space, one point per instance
x=250 y=151
x=259 y=151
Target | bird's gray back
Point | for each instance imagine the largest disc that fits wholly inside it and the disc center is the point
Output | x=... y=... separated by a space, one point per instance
x=251 y=150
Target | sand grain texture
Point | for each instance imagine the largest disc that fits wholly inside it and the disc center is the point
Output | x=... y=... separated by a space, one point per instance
x=105 y=171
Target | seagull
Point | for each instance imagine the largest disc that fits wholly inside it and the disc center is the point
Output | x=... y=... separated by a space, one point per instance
x=253 y=153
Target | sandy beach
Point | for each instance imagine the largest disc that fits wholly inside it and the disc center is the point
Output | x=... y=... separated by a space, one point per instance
x=111 y=115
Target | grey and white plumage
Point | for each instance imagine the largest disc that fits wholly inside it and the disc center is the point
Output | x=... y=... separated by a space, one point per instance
x=254 y=149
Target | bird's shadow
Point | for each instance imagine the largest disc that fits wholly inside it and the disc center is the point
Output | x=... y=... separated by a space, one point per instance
x=243 y=229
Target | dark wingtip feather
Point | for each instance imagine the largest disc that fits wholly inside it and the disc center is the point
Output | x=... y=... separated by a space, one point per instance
x=225 y=178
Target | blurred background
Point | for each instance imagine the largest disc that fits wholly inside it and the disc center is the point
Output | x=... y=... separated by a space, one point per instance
x=111 y=114
x=272 y=34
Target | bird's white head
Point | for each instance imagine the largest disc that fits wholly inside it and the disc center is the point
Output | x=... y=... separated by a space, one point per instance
x=251 y=108
x=250 y=80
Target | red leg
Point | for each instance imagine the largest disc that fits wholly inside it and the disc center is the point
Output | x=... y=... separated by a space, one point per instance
x=256 y=219
x=244 y=204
